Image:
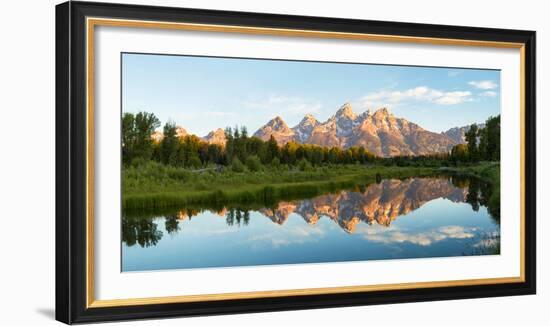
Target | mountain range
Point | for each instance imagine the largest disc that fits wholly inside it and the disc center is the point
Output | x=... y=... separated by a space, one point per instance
x=380 y=133
x=214 y=137
x=377 y=204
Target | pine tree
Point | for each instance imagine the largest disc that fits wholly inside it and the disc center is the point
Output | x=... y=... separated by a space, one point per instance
x=272 y=149
x=471 y=140
x=169 y=144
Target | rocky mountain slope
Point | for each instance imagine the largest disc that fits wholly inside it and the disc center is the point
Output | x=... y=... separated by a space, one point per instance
x=381 y=133
x=457 y=134
x=215 y=137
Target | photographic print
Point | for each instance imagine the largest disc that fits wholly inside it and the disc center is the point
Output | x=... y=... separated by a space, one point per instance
x=348 y=162
x=241 y=162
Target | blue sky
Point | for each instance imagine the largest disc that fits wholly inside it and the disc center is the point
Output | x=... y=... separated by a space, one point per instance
x=204 y=93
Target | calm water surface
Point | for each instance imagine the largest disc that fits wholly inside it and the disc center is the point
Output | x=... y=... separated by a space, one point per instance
x=394 y=219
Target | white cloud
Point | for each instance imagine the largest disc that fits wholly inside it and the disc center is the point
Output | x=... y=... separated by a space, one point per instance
x=489 y=94
x=483 y=84
x=420 y=94
x=457 y=232
x=426 y=238
x=289 y=236
x=451 y=98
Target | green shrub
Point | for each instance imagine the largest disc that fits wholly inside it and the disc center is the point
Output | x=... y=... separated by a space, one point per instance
x=253 y=163
x=236 y=165
x=194 y=162
x=178 y=174
x=276 y=163
x=304 y=165
x=138 y=162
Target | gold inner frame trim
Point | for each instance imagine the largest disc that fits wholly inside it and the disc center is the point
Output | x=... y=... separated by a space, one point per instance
x=92 y=22
x=283 y=293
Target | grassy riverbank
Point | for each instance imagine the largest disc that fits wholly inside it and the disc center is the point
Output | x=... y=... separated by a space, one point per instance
x=154 y=186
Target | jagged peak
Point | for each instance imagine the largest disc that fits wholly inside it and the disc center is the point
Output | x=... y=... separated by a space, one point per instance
x=216 y=136
x=346 y=105
x=309 y=118
x=365 y=114
x=181 y=132
x=276 y=119
x=277 y=123
x=382 y=112
x=216 y=131
x=345 y=111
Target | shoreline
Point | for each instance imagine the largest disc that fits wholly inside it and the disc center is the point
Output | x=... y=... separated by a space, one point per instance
x=261 y=188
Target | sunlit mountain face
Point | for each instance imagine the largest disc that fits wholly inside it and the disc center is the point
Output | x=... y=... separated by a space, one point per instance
x=379 y=203
x=409 y=218
x=380 y=133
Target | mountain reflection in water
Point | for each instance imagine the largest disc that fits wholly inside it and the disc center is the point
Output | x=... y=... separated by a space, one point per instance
x=374 y=206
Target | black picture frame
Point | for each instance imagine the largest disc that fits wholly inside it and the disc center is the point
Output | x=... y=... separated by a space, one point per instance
x=71 y=157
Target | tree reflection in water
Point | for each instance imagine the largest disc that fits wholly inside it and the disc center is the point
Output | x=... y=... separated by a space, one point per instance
x=379 y=203
x=142 y=231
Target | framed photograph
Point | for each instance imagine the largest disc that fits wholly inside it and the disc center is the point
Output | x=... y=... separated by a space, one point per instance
x=212 y=162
